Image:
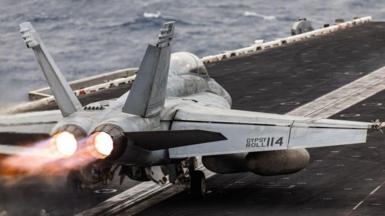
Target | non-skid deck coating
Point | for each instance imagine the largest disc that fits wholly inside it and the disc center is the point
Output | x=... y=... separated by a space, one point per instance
x=298 y=73
x=276 y=80
x=341 y=180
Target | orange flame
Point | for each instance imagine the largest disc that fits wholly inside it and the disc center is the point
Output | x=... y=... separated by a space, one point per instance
x=46 y=160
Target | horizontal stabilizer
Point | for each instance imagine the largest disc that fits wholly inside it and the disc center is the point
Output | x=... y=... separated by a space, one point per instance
x=65 y=98
x=156 y=140
x=253 y=132
x=27 y=128
x=21 y=138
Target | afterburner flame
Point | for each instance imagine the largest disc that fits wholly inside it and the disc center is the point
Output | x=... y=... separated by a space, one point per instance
x=102 y=144
x=44 y=159
x=65 y=143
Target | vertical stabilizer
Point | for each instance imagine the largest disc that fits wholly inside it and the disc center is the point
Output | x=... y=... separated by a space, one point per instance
x=65 y=98
x=148 y=92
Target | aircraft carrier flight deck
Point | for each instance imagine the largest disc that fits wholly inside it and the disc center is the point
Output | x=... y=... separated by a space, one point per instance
x=346 y=180
x=339 y=181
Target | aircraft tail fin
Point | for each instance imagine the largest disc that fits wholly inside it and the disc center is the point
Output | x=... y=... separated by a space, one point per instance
x=148 y=92
x=66 y=100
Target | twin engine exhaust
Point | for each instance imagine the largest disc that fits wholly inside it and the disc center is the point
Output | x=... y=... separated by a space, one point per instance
x=106 y=142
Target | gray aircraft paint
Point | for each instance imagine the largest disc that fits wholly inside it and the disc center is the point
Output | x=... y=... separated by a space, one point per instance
x=68 y=102
x=148 y=92
x=193 y=100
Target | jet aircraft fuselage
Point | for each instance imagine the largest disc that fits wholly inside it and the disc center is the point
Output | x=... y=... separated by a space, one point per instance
x=173 y=114
x=188 y=84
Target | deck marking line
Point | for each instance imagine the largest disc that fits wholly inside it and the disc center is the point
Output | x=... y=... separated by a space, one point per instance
x=358 y=205
x=366 y=198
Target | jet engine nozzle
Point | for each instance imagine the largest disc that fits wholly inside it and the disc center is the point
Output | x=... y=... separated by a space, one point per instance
x=65 y=139
x=108 y=141
x=77 y=131
x=100 y=144
x=65 y=143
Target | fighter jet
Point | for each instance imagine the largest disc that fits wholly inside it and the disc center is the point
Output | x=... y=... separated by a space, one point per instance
x=173 y=116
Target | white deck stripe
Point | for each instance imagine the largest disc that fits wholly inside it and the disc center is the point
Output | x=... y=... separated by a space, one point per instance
x=375 y=190
x=128 y=198
x=136 y=195
x=358 y=205
x=366 y=198
x=344 y=97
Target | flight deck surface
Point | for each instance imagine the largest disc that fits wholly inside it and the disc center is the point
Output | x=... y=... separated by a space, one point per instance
x=340 y=180
x=344 y=180
x=279 y=79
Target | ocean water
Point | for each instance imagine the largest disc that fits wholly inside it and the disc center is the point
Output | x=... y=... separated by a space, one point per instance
x=88 y=37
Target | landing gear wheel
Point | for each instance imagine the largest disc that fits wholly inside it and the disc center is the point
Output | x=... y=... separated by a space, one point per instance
x=198 y=184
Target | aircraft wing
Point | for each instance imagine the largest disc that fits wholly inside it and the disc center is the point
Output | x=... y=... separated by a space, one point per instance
x=24 y=128
x=254 y=131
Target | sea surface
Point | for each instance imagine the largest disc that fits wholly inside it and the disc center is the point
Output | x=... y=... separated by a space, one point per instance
x=88 y=37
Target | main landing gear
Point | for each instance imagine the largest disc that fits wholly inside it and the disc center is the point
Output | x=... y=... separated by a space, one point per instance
x=198 y=185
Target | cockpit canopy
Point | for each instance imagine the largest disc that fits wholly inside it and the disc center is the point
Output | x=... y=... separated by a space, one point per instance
x=187 y=63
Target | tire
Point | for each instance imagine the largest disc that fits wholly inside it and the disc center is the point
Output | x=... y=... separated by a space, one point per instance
x=198 y=184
